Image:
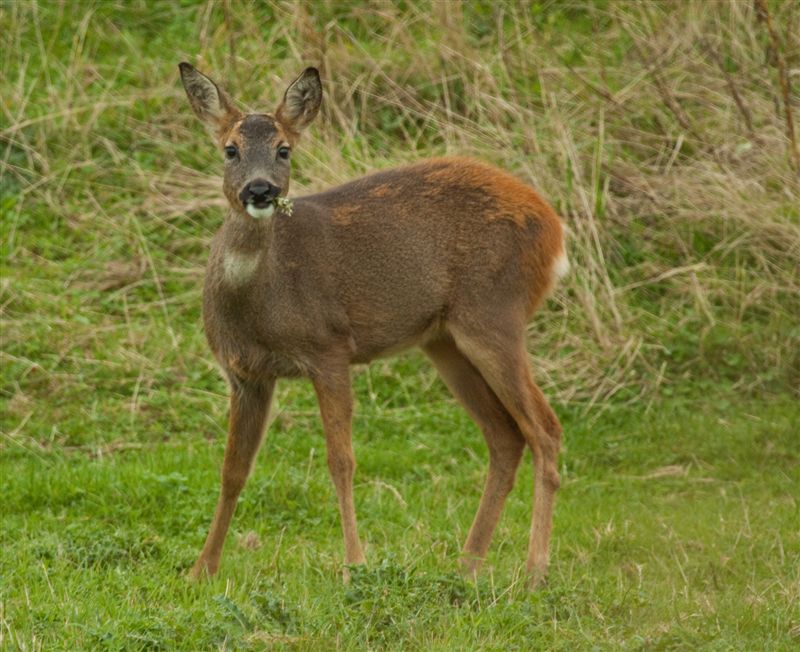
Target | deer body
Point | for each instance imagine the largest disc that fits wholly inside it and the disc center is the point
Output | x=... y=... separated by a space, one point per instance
x=375 y=266
x=449 y=254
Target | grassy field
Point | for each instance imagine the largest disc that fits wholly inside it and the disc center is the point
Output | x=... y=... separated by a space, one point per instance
x=671 y=354
x=675 y=529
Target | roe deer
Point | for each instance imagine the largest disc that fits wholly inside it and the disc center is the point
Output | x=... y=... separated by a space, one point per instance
x=450 y=255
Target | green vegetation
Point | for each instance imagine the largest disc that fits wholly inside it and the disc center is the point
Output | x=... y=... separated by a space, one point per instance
x=672 y=352
x=675 y=529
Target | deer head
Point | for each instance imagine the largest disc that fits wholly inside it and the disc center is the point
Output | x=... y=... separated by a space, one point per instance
x=257 y=146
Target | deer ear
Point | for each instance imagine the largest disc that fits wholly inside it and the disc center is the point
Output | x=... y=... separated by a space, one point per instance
x=211 y=104
x=301 y=102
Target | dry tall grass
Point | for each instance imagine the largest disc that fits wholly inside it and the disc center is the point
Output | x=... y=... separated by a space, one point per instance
x=658 y=131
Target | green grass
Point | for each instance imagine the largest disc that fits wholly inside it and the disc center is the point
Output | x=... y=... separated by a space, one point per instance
x=671 y=353
x=675 y=529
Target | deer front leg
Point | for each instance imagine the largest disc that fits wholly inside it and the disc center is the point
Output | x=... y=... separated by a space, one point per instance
x=249 y=405
x=336 y=407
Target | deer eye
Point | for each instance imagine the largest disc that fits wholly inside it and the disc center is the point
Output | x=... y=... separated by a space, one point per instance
x=283 y=152
x=231 y=151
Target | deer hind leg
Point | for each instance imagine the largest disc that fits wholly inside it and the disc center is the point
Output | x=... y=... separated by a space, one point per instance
x=503 y=362
x=336 y=406
x=249 y=406
x=502 y=436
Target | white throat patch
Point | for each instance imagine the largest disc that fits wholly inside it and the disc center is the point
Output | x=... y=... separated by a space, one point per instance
x=239 y=267
x=260 y=213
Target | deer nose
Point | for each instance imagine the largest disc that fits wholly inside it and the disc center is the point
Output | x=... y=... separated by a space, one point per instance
x=259 y=191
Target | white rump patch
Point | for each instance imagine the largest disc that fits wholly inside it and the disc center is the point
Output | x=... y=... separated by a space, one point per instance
x=238 y=266
x=260 y=213
x=561 y=266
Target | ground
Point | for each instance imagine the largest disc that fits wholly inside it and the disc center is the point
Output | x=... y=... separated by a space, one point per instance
x=676 y=528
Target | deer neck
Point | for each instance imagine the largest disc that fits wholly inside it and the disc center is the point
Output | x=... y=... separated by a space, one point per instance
x=246 y=247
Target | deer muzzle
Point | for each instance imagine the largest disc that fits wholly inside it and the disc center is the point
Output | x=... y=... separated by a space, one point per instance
x=258 y=198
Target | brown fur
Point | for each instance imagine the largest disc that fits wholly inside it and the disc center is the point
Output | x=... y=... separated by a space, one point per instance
x=450 y=254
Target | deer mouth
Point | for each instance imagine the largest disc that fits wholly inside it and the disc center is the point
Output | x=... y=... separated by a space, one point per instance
x=261 y=209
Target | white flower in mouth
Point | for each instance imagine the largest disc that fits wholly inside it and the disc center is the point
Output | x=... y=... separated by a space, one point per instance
x=285 y=205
